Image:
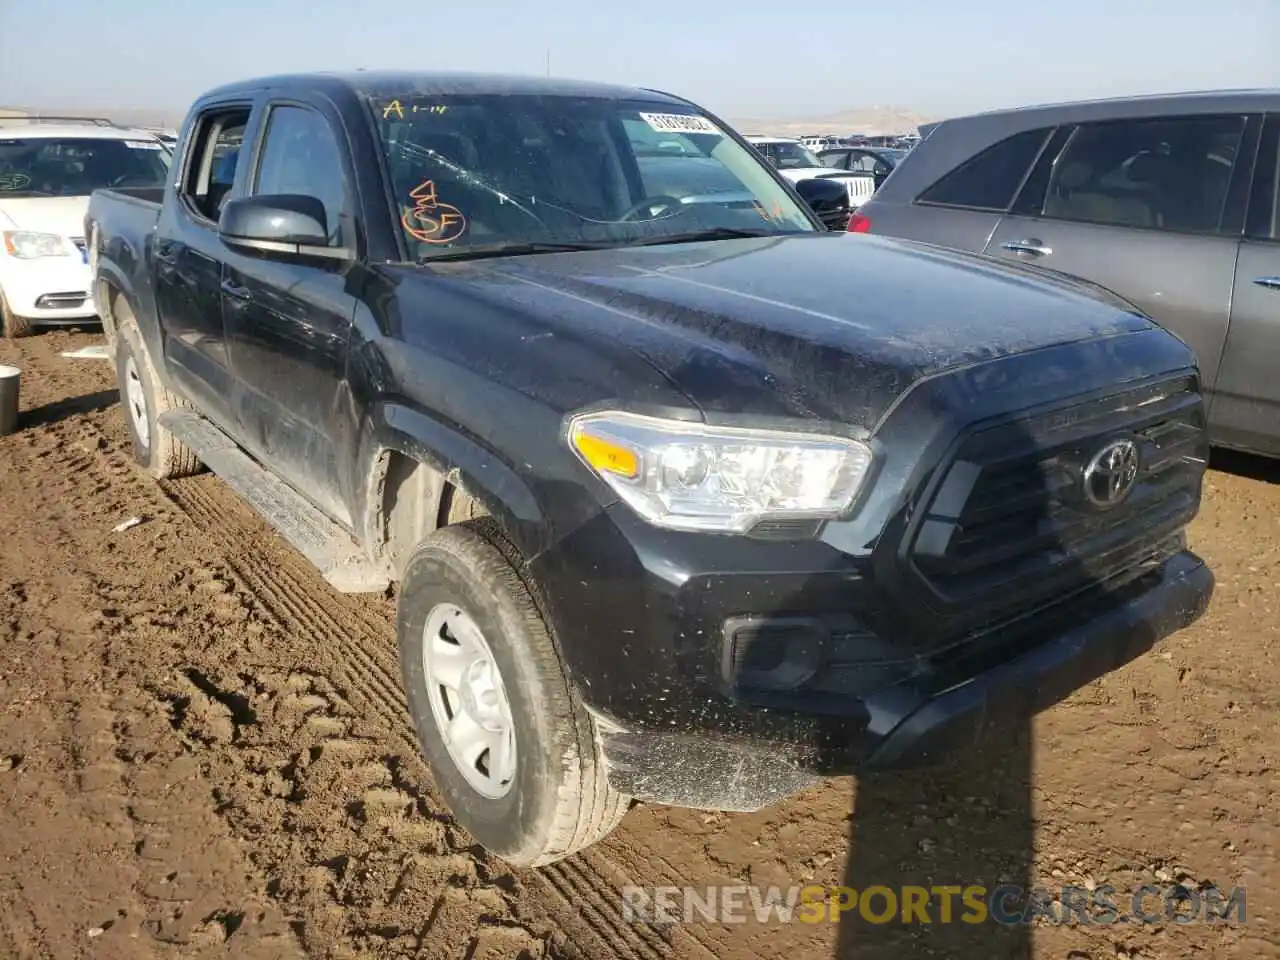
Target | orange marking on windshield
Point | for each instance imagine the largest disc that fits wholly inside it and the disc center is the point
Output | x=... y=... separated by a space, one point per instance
x=431 y=221
x=774 y=215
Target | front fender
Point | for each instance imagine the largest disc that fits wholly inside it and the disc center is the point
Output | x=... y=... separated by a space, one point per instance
x=396 y=425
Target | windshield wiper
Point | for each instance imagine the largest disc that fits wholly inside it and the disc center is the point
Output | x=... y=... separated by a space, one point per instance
x=483 y=250
x=714 y=233
x=507 y=249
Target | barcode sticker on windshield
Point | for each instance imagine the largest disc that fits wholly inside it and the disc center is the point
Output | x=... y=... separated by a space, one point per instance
x=679 y=123
x=143 y=145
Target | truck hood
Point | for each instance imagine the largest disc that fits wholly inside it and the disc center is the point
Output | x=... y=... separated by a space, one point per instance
x=61 y=215
x=826 y=326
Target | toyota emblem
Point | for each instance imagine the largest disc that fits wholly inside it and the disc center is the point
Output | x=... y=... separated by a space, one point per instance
x=1110 y=474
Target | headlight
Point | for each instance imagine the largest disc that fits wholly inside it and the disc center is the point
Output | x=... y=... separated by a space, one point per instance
x=690 y=476
x=28 y=246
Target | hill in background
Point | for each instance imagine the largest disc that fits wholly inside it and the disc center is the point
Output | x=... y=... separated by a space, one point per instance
x=869 y=120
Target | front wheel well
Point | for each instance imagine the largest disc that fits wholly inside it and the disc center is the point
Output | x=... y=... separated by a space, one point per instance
x=416 y=500
x=106 y=297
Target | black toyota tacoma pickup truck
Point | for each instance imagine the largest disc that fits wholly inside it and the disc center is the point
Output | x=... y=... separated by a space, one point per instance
x=685 y=499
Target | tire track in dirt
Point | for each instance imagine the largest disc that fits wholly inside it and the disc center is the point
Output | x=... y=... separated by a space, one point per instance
x=259 y=586
x=576 y=894
x=351 y=843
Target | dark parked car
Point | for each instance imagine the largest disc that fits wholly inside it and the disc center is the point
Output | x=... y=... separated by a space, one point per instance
x=1169 y=201
x=877 y=161
x=686 y=502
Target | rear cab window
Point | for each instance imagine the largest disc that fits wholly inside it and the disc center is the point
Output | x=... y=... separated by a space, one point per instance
x=990 y=179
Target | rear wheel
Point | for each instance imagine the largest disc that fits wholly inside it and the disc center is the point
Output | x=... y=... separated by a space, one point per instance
x=512 y=749
x=144 y=400
x=13 y=326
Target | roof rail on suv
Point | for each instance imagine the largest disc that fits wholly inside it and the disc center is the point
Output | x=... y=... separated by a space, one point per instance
x=51 y=118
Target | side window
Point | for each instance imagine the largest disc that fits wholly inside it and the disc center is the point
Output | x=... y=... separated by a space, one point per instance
x=300 y=155
x=212 y=160
x=864 y=162
x=1166 y=173
x=1264 y=204
x=989 y=180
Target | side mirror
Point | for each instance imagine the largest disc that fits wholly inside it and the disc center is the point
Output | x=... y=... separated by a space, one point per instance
x=829 y=198
x=289 y=224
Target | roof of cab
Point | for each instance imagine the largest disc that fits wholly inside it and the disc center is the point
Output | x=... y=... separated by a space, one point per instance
x=376 y=84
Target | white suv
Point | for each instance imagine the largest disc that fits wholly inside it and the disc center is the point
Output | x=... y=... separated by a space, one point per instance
x=797 y=162
x=47 y=171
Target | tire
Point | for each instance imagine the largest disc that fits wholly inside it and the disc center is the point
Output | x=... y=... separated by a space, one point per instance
x=156 y=449
x=557 y=799
x=13 y=326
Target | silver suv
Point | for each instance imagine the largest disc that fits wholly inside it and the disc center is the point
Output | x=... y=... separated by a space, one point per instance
x=1169 y=201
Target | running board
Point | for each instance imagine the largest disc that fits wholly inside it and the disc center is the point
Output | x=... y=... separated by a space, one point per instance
x=335 y=554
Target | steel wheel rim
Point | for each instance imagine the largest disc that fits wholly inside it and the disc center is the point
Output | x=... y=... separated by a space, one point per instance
x=137 y=401
x=469 y=700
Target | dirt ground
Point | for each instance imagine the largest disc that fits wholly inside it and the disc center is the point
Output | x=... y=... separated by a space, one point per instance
x=204 y=753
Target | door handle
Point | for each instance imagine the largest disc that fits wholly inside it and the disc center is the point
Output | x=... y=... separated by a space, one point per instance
x=235 y=291
x=1027 y=246
x=1271 y=283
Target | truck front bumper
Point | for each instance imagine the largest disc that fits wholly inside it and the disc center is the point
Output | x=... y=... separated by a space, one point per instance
x=641 y=621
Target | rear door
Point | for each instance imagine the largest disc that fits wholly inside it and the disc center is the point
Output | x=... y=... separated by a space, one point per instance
x=288 y=319
x=188 y=260
x=1246 y=408
x=1151 y=208
x=964 y=206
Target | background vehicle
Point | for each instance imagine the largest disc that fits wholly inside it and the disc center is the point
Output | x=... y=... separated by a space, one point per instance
x=877 y=161
x=48 y=168
x=829 y=200
x=666 y=486
x=1170 y=201
x=796 y=162
x=819 y=143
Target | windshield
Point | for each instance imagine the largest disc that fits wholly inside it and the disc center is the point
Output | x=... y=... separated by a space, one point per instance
x=74 y=167
x=793 y=156
x=471 y=174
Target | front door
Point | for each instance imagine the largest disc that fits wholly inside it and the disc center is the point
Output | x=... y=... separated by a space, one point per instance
x=288 y=320
x=1144 y=208
x=1246 y=409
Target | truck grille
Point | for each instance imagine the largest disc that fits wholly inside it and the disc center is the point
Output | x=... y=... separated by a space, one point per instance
x=1010 y=517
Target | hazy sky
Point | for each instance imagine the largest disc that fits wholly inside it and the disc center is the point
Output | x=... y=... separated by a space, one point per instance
x=735 y=56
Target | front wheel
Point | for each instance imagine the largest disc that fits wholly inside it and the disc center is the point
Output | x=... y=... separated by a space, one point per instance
x=512 y=749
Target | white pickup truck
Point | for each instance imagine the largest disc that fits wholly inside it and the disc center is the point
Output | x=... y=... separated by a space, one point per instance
x=48 y=168
x=797 y=162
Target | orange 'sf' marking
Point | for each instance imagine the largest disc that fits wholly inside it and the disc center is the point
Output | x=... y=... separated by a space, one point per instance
x=431 y=221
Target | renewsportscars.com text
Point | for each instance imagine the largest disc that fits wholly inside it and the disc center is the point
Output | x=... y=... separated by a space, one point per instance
x=973 y=904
